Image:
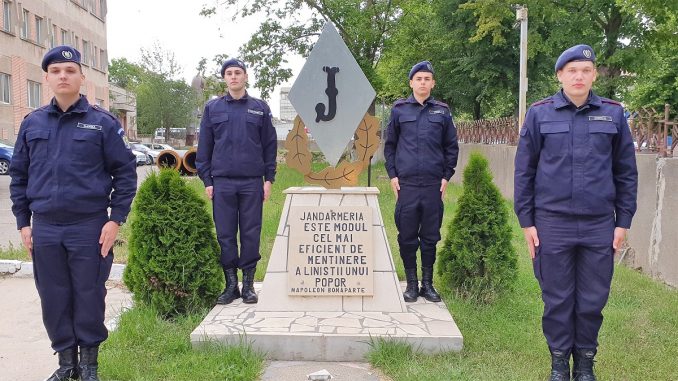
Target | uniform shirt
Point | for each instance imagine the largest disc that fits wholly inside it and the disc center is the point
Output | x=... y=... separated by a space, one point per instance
x=237 y=139
x=421 y=142
x=575 y=161
x=66 y=164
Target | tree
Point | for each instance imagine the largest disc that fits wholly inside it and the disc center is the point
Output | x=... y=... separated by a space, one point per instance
x=291 y=26
x=656 y=72
x=478 y=260
x=125 y=74
x=163 y=101
x=173 y=263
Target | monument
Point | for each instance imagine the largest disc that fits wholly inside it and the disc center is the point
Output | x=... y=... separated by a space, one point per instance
x=331 y=286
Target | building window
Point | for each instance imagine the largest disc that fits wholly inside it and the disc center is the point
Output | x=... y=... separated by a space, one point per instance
x=95 y=57
x=103 y=60
x=7 y=16
x=38 y=30
x=34 y=94
x=25 y=32
x=64 y=37
x=53 y=36
x=5 y=95
x=85 y=53
x=102 y=8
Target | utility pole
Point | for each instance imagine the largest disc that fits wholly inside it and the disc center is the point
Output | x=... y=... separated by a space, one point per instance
x=521 y=15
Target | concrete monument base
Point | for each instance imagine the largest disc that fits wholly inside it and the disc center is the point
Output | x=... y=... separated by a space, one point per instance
x=328 y=336
x=330 y=327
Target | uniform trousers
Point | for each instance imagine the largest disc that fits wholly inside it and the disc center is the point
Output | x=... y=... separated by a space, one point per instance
x=237 y=204
x=418 y=216
x=70 y=275
x=573 y=264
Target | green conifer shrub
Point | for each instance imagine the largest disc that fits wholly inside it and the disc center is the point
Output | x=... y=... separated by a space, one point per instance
x=173 y=263
x=478 y=260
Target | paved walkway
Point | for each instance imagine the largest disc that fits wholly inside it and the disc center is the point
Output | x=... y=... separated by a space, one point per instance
x=25 y=352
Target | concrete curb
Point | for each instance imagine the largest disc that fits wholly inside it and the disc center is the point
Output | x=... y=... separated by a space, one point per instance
x=25 y=269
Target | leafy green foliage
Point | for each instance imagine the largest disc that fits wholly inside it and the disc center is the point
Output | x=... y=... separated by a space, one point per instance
x=173 y=261
x=292 y=26
x=478 y=260
x=163 y=100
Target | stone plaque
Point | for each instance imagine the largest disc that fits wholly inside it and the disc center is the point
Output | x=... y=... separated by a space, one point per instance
x=330 y=251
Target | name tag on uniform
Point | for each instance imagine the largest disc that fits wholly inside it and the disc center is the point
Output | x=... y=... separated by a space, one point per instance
x=441 y=112
x=255 y=112
x=84 y=126
x=602 y=118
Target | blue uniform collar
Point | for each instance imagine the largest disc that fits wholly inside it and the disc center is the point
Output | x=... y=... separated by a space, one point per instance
x=80 y=106
x=229 y=98
x=560 y=100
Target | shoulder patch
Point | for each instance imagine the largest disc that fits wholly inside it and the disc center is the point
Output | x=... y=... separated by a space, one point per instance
x=439 y=103
x=610 y=101
x=543 y=102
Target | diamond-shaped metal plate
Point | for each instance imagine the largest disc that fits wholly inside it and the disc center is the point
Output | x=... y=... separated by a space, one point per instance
x=354 y=96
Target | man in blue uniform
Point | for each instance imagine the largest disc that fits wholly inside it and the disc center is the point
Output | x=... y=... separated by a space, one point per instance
x=421 y=153
x=575 y=197
x=236 y=162
x=71 y=165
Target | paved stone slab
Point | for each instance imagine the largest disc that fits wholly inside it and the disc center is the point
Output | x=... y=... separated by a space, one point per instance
x=329 y=336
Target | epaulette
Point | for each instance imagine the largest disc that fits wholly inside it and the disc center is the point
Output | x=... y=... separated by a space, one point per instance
x=610 y=101
x=439 y=103
x=101 y=109
x=43 y=108
x=399 y=102
x=542 y=102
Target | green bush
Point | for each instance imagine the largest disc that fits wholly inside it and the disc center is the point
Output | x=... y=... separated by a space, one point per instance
x=477 y=260
x=173 y=261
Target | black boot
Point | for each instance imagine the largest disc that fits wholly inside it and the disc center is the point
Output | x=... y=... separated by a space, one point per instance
x=68 y=366
x=88 y=363
x=560 y=365
x=583 y=365
x=248 y=294
x=231 y=292
x=412 y=291
x=427 y=291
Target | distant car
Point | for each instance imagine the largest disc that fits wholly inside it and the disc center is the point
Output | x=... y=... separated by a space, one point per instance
x=151 y=156
x=142 y=158
x=6 y=153
x=158 y=146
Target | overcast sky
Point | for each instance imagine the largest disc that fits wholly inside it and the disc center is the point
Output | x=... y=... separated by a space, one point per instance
x=178 y=27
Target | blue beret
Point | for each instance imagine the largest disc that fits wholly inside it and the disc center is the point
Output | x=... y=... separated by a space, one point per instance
x=232 y=62
x=575 y=53
x=421 y=66
x=58 y=54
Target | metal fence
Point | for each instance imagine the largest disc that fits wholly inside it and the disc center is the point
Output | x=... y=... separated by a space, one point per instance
x=653 y=132
x=488 y=131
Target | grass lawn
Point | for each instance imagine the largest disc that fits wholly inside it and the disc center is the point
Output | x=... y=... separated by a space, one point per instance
x=145 y=347
x=502 y=341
